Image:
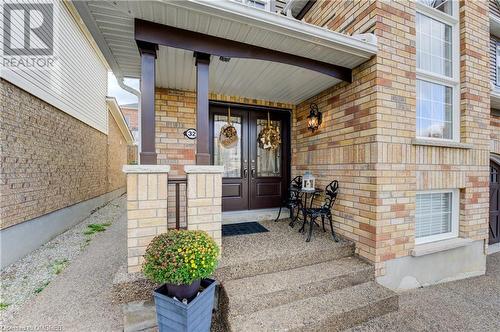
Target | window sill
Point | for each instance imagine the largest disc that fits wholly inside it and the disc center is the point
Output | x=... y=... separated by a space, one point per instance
x=438 y=246
x=444 y=144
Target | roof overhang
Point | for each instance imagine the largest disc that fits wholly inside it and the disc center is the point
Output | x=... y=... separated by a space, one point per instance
x=112 y=26
x=117 y=115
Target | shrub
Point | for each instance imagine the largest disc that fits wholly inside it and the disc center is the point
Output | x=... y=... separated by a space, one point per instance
x=180 y=257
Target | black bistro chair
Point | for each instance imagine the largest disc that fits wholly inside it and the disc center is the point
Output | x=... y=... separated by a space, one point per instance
x=324 y=210
x=293 y=199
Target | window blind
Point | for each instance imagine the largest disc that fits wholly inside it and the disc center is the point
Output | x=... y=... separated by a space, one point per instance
x=433 y=214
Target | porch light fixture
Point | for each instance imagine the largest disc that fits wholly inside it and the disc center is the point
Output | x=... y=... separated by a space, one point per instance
x=315 y=118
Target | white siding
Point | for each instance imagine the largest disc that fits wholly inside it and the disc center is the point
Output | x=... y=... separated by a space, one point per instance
x=78 y=83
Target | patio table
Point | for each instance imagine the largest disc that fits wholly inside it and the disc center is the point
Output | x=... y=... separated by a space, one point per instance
x=305 y=193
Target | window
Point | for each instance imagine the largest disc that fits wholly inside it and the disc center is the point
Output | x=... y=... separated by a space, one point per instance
x=434 y=107
x=260 y=4
x=436 y=216
x=127 y=120
x=437 y=70
x=444 y=6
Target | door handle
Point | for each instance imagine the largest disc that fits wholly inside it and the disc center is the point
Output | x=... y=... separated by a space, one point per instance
x=253 y=172
x=245 y=172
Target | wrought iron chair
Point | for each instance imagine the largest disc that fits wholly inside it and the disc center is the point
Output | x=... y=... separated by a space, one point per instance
x=325 y=210
x=293 y=200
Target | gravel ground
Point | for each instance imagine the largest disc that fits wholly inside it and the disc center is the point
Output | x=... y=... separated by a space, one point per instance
x=27 y=278
x=464 y=305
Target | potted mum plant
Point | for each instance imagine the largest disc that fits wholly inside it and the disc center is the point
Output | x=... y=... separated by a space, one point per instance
x=182 y=261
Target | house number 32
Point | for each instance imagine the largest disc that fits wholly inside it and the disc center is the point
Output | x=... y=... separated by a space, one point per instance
x=190 y=133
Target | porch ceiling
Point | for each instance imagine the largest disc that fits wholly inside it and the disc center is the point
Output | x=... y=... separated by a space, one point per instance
x=258 y=79
x=112 y=25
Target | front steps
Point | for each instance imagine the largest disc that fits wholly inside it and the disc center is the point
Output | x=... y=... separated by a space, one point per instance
x=318 y=286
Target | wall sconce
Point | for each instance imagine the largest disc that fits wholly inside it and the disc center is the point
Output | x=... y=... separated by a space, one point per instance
x=315 y=118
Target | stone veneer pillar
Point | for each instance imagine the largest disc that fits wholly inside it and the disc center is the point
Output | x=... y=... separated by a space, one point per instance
x=204 y=199
x=146 y=209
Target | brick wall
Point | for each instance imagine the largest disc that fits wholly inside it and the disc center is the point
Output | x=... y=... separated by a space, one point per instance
x=48 y=159
x=366 y=140
x=117 y=156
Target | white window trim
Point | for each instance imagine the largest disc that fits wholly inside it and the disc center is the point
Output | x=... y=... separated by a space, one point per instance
x=455 y=209
x=497 y=63
x=454 y=81
x=267 y=4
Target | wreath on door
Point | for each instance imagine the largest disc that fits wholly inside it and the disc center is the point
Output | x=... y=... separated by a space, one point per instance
x=269 y=137
x=228 y=136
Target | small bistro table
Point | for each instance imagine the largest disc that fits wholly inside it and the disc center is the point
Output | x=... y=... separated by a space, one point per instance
x=305 y=193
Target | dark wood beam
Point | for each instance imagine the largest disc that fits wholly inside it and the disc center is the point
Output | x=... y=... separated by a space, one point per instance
x=305 y=9
x=148 y=59
x=146 y=31
x=202 y=119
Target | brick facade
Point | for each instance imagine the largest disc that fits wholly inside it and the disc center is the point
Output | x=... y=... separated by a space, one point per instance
x=50 y=160
x=366 y=141
x=146 y=209
x=117 y=156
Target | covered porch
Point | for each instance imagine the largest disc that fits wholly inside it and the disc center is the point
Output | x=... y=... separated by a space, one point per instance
x=189 y=55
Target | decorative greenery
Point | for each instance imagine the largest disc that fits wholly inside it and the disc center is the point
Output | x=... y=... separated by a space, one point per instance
x=59 y=265
x=4 y=305
x=42 y=287
x=180 y=257
x=95 y=228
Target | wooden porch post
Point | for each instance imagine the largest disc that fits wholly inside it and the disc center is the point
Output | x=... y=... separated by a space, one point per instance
x=202 y=119
x=148 y=60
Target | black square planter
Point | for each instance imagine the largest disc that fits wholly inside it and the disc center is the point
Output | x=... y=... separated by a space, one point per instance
x=173 y=315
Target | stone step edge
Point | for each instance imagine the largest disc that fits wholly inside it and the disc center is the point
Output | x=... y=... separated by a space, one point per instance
x=235 y=306
x=259 y=267
x=386 y=302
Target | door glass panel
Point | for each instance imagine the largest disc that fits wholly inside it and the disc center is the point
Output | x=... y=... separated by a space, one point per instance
x=268 y=161
x=230 y=158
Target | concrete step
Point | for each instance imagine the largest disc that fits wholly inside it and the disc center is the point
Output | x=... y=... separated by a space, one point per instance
x=250 y=294
x=283 y=260
x=333 y=311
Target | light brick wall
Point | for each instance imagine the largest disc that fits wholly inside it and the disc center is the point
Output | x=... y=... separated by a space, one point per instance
x=204 y=200
x=146 y=209
x=366 y=140
x=50 y=160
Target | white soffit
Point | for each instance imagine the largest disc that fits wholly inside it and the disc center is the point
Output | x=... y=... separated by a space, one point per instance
x=112 y=25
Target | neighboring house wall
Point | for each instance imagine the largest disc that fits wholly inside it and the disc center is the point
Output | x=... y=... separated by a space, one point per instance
x=77 y=85
x=117 y=156
x=50 y=160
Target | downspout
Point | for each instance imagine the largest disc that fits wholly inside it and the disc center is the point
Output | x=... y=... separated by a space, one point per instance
x=121 y=83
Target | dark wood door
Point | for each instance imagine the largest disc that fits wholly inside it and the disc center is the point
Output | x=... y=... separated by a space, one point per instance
x=253 y=178
x=234 y=159
x=494 y=203
x=268 y=168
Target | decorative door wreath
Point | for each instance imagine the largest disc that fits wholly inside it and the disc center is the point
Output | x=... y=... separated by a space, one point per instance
x=228 y=136
x=269 y=137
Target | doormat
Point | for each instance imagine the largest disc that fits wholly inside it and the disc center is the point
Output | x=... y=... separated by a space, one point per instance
x=243 y=229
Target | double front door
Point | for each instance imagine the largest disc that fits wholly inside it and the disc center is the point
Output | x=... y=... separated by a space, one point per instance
x=253 y=178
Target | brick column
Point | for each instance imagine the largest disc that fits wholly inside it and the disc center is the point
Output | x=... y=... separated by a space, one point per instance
x=204 y=199
x=146 y=208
